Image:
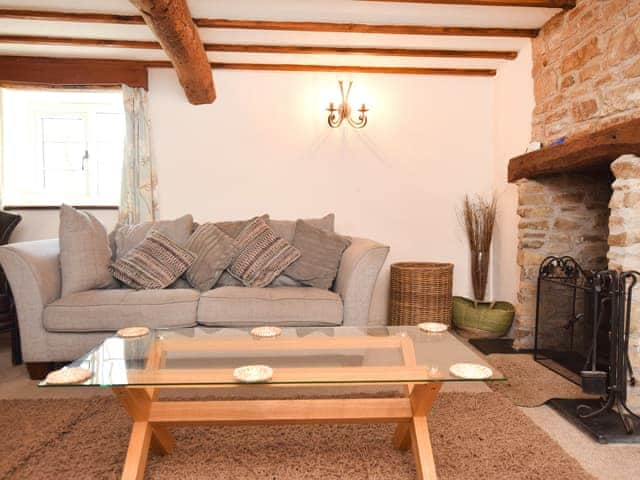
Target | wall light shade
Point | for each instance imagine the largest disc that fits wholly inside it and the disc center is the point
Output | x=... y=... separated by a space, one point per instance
x=343 y=111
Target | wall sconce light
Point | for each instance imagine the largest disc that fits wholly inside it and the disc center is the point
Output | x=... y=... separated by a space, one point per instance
x=337 y=115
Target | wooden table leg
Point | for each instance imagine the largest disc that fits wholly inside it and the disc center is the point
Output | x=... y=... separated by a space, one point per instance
x=137 y=452
x=416 y=432
x=137 y=402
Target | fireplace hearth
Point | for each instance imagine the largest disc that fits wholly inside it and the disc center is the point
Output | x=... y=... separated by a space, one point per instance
x=582 y=332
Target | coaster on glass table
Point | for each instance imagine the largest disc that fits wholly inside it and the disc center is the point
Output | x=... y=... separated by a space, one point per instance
x=433 y=327
x=133 y=332
x=68 y=375
x=253 y=373
x=470 y=371
x=266 y=332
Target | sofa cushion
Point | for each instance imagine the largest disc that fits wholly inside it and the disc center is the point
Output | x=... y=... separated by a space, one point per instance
x=128 y=236
x=262 y=255
x=110 y=310
x=287 y=228
x=214 y=251
x=284 y=306
x=156 y=263
x=84 y=252
x=234 y=227
x=228 y=280
x=320 y=254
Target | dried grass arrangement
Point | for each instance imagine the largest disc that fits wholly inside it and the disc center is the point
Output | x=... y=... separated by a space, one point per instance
x=478 y=216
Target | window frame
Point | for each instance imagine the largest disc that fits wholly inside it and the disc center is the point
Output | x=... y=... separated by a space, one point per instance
x=39 y=109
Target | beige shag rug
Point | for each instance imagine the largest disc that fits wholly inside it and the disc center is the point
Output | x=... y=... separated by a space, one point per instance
x=530 y=384
x=475 y=436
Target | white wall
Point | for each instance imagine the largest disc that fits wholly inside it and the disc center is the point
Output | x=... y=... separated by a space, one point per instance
x=514 y=104
x=42 y=224
x=264 y=146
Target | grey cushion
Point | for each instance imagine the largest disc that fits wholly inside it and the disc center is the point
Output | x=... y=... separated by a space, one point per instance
x=110 y=310
x=234 y=228
x=228 y=280
x=128 y=236
x=286 y=306
x=287 y=228
x=157 y=262
x=320 y=254
x=84 y=251
x=214 y=251
x=283 y=280
x=262 y=255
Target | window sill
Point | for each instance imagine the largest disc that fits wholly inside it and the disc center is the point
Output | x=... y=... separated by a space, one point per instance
x=57 y=207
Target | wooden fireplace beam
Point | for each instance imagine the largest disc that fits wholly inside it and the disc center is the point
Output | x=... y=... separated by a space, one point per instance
x=589 y=152
x=173 y=26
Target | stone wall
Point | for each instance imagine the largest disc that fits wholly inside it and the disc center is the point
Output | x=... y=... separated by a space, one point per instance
x=586 y=69
x=624 y=241
x=559 y=215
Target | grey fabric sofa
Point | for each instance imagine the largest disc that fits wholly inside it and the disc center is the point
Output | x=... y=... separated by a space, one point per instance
x=54 y=329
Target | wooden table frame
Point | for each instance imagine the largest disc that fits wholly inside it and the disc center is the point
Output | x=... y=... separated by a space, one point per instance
x=151 y=416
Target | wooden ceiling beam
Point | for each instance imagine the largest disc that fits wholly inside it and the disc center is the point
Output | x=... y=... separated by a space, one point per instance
x=296 y=67
x=171 y=22
x=384 y=51
x=42 y=70
x=71 y=72
x=564 y=4
x=251 y=48
x=464 y=72
x=279 y=25
x=367 y=28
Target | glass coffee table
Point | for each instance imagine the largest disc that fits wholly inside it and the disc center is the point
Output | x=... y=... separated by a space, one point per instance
x=136 y=369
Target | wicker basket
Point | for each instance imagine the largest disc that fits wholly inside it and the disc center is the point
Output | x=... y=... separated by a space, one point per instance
x=420 y=292
x=482 y=319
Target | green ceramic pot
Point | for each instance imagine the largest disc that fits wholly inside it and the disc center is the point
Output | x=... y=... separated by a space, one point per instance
x=482 y=319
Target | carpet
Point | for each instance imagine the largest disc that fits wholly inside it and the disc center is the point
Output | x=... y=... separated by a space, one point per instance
x=474 y=436
x=530 y=384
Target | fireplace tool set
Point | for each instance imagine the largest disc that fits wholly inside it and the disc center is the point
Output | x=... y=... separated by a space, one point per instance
x=590 y=343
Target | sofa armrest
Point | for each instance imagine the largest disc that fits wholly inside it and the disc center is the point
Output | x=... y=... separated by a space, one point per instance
x=359 y=267
x=33 y=271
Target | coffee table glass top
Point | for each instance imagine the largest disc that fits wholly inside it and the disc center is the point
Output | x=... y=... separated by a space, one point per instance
x=326 y=355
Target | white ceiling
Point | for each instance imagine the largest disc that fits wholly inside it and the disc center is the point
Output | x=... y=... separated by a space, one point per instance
x=347 y=11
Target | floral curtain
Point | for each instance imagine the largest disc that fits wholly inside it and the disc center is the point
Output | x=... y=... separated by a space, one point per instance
x=138 y=198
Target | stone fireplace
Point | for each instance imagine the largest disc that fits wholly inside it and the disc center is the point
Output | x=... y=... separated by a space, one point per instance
x=590 y=210
x=582 y=198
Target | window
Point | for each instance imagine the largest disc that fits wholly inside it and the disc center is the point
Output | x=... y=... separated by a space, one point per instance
x=61 y=146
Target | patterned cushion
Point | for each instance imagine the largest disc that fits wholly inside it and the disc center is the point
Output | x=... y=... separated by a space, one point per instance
x=126 y=237
x=214 y=250
x=156 y=262
x=263 y=255
x=320 y=255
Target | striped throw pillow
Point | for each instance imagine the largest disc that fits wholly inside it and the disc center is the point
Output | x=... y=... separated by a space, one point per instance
x=262 y=255
x=155 y=263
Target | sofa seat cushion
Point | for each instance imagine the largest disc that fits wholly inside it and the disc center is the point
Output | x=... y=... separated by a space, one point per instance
x=110 y=310
x=283 y=306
